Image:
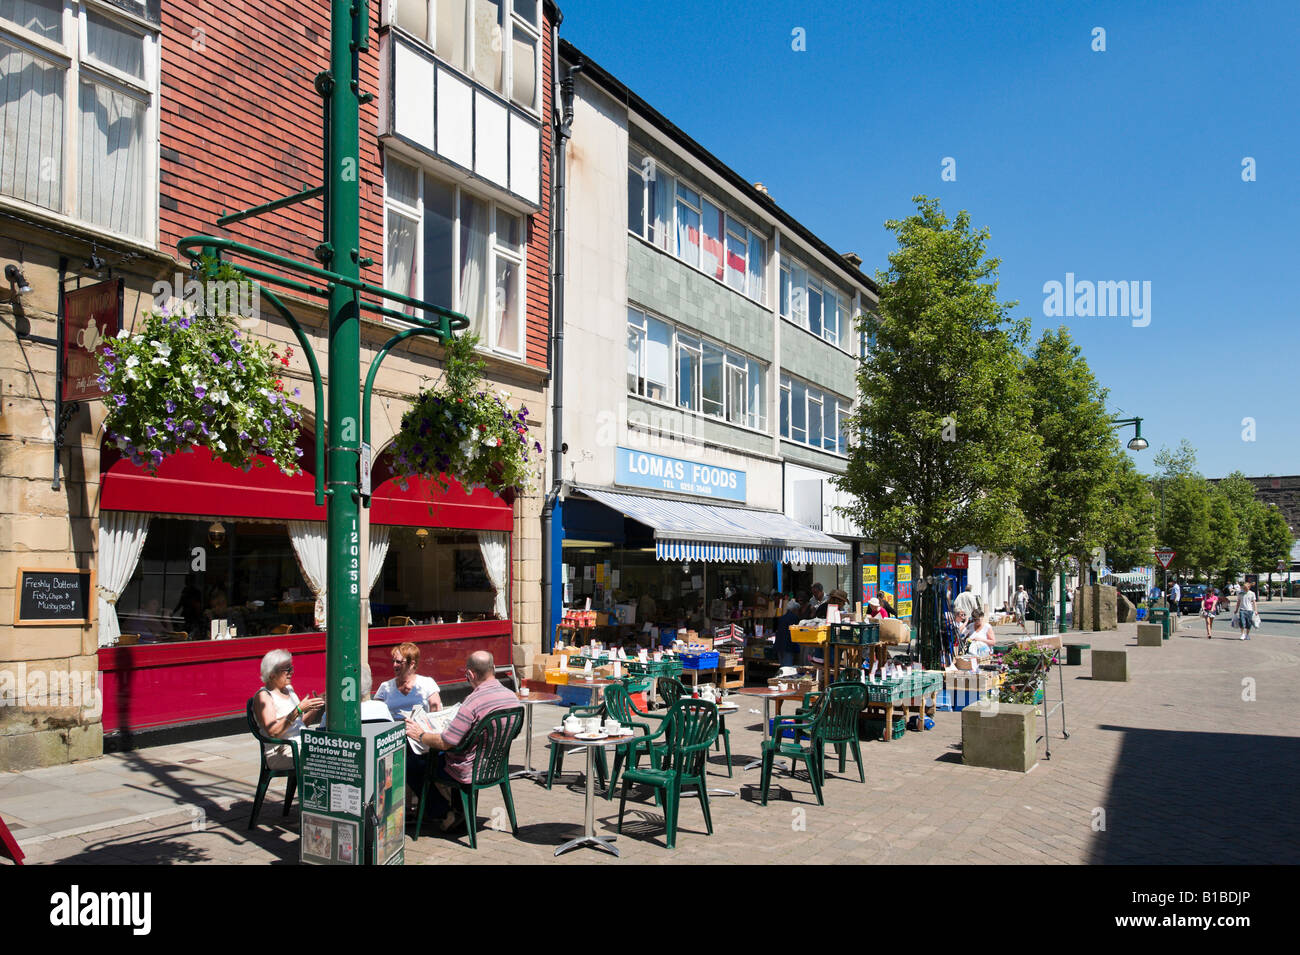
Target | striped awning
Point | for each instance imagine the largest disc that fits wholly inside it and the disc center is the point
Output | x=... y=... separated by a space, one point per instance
x=685 y=530
x=1118 y=580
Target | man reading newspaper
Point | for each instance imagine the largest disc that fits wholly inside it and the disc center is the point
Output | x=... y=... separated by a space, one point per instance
x=487 y=695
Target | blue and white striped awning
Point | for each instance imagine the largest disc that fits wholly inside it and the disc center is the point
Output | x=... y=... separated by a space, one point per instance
x=685 y=530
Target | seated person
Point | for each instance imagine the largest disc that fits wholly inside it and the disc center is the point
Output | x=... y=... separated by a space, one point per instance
x=407 y=689
x=278 y=709
x=487 y=695
x=149 y=621
x=876 y=610
x=980 y=636
x=220 y=609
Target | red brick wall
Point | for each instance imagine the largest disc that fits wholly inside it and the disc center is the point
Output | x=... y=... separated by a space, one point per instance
x=240 y=125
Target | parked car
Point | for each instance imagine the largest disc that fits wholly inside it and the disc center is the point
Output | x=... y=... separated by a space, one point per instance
x=1192 y=597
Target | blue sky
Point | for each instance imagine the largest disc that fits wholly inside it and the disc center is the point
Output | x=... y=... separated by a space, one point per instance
x=1123 y=165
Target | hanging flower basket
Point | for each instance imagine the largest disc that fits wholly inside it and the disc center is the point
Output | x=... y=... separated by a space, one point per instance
x=191 y=377
x=464 y=429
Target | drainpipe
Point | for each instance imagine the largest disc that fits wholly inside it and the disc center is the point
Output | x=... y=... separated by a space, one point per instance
x=563 y=132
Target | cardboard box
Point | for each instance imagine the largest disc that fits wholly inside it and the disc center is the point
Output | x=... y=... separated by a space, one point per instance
x=894 y=631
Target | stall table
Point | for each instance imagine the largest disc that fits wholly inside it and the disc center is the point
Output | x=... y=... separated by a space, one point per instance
x=908 y=692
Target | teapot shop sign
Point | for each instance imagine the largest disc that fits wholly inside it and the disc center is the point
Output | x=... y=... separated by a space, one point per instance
x=662 y=473
x=92 y=316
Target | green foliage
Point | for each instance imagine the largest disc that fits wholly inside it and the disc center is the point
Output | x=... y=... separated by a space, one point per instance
x=1187 y=526
x=1026 y=669
x=1065 y=495
x=1180 y=462
x=193 y=378
x=941 y=400
x=1129 y=536
x=1270 y=539
x=462 y=428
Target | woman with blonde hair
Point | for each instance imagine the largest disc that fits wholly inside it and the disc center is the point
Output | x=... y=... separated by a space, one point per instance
x=279 y=710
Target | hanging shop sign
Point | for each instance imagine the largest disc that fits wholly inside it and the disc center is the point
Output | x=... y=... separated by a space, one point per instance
x=659 y=472
x=92 y=315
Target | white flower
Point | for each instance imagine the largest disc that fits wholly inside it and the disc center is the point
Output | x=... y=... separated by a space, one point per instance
x=162 y=348
x=220 y=396
x=187 y=369
x=159 y=360
x=132 y=361
x=123 y=333
x=491 y=442
x=220 y=445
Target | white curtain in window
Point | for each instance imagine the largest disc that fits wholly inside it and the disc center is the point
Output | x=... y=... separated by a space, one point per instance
x=31 y=128
x=121 y=539
x=310 y=546
x=473 y=264
x=495 y=546
x=111 y=159
x=379 y=534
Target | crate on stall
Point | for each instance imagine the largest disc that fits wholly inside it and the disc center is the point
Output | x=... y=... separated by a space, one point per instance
x=707 y=660
x=818 y=635
x=855 y=634
x=875 y=729
x=578 y=693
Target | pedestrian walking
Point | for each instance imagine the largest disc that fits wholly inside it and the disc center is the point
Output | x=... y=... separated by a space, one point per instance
x=1247 y=618
x=1022 y=607
x=1208 y=611
x=966 y=601
x=1175 y=595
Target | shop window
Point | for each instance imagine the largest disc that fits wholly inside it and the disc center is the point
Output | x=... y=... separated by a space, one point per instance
x=192 y=572
x=437 y=576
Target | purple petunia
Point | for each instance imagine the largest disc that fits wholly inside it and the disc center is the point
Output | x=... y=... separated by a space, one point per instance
x=203 y=426
x=150 y=430
x=298 y=451
x=244 y=436
x=110 y=367
x=215 y=358
x=120 y=399
x=199 y=391
x=170 y=406
x=188 y=424
x=236 y=344
x=266 y=423
x=169 y=424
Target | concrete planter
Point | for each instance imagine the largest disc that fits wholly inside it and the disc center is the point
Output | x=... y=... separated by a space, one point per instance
x=1150 y=635
x=1112 y=665
x=999 y=736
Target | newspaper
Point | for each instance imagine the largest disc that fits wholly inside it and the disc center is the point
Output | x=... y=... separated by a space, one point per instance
x=435 y=722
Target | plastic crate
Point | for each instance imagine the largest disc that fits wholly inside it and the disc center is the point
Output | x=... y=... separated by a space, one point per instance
x=876 y=728
x=708 y=660
x=809 y=634
x=668 y=666
x=576 y=694
x=855 y=634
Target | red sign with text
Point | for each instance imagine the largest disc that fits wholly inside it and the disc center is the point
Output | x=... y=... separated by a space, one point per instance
x=91 y=316
x=1166 y=556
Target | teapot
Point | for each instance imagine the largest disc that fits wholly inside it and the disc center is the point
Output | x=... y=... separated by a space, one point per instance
x=707 y=693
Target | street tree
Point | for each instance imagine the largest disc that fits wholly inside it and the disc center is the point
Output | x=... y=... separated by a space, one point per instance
x=1187 y=521
x=1270 y=541
x=1065 y=495
x=941 y=425
x=1239 y=494
x=1130 y=536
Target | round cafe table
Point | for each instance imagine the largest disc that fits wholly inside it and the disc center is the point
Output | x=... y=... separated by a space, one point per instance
x=589 y=837
x=529 y=701
x=767 y=694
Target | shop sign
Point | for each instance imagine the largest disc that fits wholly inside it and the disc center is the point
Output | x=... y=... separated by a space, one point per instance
x=904 y=604
x=333 y=781
x=661 y=473
x=955 y=561
x=870 y=572
x=390 y=796
x=887 y=578
x=49 y=597
x=91 y=316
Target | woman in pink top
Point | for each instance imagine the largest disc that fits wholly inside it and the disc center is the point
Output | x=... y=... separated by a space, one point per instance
x=1208 y=609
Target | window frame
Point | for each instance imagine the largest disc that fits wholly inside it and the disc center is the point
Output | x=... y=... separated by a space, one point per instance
x=496 y=250
x=507 y=21
x=71 y=56
x=827 y=402
x=814 y=282
x=682 y=342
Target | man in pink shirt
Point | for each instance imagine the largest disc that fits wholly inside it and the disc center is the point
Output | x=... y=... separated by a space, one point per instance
x=487 y=695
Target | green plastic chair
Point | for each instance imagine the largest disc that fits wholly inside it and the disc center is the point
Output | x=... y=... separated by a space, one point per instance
x=834 y=708
x=689 y=729
x=560 y=750
x=671 y=690
x=839 y=726
x=267 y=773
x=490 y=739
x=619 y=706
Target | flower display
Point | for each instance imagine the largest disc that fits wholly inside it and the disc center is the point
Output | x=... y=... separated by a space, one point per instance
x=186 y=378
x=464 y=429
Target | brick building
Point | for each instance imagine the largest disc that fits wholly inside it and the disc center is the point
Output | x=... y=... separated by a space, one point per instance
x=127 y=125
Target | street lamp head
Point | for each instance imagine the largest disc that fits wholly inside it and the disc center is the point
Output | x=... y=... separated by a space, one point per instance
x=1138 y=443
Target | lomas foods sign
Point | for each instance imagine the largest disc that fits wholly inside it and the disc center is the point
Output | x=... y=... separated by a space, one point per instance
x=662 y=473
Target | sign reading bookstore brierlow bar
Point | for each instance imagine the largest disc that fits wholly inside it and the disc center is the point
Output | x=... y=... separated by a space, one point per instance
x=662 y=473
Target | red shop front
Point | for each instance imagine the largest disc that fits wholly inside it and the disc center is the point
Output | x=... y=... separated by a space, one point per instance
x=200 y=545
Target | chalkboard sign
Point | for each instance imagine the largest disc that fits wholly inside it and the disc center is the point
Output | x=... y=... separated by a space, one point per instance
x=53 y=597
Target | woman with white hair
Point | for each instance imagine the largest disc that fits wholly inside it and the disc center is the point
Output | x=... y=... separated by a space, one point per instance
x=279 y=710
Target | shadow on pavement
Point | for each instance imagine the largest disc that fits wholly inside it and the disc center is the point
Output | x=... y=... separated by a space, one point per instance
x=1200 y=798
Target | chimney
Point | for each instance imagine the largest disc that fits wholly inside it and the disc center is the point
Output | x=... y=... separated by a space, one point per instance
x=763 y=189
x=852 y=258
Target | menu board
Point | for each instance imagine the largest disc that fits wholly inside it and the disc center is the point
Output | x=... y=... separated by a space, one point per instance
x=50 y=597
x=390 y=796
x=333 y=780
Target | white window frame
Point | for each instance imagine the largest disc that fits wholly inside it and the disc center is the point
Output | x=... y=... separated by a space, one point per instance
x=823 y=400
x=495 y=250
x=506 y=39
x=670 y=180
x=682 y=340
x=71 y=56
x=795 y=306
